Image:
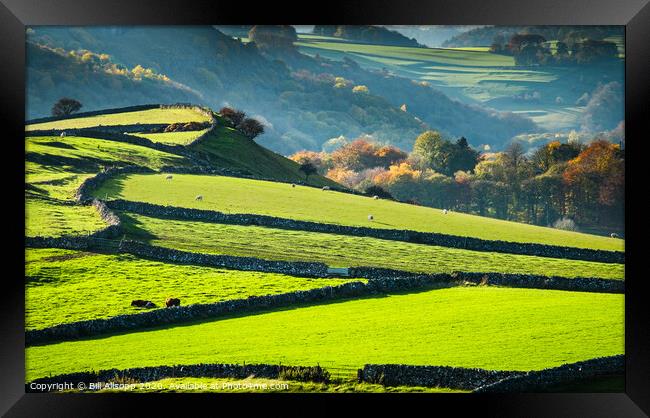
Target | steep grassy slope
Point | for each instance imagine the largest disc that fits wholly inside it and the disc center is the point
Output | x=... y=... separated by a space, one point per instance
x=91 y=286
x=233 y=195
x=347 y=251
x=491 y=328
x=226 y=147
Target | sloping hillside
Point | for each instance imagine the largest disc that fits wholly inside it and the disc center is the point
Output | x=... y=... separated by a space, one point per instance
x=301 y=111
x=96 y=83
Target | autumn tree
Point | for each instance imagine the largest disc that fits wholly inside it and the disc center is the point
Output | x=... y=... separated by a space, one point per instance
x=251 y=128
x=596 y=175
x=233 y=116
x=361 y=154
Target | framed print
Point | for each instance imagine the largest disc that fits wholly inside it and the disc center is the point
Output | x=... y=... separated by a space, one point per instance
x=253 y=204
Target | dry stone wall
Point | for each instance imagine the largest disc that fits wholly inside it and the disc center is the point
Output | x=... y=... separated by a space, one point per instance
x=150 y=374
x=539 y=381
x=428 y=238
x=431 y=376
x=178 y=314
x=491 y=381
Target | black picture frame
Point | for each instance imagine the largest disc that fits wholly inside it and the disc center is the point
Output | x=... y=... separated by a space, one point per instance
x=15 y=15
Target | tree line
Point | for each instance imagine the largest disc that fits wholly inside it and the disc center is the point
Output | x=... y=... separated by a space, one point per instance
x=561 y=184
x=532 y=49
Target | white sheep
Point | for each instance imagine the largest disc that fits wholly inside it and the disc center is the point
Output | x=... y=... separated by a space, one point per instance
x=614 y=235
x=370 y=217
x=169 y=177
x=444 y=211
x=63 y=134
x=326 y=187
x=375 y=197
x=199 y=197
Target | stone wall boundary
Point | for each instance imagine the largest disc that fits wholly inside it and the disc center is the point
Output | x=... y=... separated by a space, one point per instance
x=180 y=314
x=150 y=374
x=490 y=381
x=416 y=237
x=542 y=380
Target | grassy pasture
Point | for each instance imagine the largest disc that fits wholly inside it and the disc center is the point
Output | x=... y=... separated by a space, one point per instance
x=56 y=167
x=486 y=327
x=74 y=154
x=263 y=385
x=53 y=219
x=77 y=285
x=173 y=138
x=347 y=251
x=127 y=118
x=234 y=195
x=440 y=55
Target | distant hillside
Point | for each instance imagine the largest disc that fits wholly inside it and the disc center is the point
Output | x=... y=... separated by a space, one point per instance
x=52 y=74
x=430 y=35
x=300 y=110
x=484 y=36
x=378 y=35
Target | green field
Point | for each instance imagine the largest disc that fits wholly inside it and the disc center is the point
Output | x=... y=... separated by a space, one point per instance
x=233 y=195
x=441 y=55
x=91 y=286
x=486 y=327
x=76 y=153
x=53 y=219
x=173 y=138
x=347 y=251
x=468 y=326
x=262 y=385
x=169 y=116
x=56 y=167
x=472 y=75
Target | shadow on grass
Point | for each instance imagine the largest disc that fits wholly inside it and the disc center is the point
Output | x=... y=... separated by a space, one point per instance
x=134 y=229
x=261 y=311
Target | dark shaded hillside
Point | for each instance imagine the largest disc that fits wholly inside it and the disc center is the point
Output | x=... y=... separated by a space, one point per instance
x=432 y=107
x=299 y=112
x=54 y=74
x=366 y=33
x=485 y=36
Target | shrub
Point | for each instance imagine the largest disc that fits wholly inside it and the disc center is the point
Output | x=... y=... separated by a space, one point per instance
x=304 y=374
x=378 y=191
x=360 y=89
